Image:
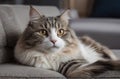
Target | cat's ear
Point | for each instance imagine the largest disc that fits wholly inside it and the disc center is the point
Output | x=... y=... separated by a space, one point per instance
x=65 y=16
x=34 y=14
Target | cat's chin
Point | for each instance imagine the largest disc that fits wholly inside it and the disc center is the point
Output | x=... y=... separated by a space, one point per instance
x=54 y=49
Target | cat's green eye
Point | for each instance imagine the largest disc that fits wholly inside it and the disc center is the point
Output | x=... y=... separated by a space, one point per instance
x=61 y=32
x=43 y=32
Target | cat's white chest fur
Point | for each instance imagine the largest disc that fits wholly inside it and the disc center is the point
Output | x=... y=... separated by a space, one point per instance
x=48 y=62
x=53 y=61
x=89 y=54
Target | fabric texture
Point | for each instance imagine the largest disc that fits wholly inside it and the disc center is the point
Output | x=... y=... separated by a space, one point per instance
x=14 y=71
x=10 y=25
x=2 y=34
x=8 y=37
x=105 y=31
x=2 y=55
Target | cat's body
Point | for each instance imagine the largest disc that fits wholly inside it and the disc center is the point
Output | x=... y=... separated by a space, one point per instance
x=49 y=41
x=38 y=57
x=53 y=60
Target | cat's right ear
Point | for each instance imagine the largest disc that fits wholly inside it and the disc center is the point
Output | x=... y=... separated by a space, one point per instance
x=34 y=14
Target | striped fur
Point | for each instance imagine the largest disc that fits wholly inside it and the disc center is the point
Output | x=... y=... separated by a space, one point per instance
x=76 y=69
x=66 y=68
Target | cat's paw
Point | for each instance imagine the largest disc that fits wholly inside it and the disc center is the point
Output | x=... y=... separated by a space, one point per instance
x=37 y=65
x=80 y=74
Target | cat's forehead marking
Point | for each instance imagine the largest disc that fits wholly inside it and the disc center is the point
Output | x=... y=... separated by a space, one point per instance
x=52 y=22
x=50 y=18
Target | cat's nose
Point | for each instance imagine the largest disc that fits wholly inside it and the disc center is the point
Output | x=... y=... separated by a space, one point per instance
x=53 y=41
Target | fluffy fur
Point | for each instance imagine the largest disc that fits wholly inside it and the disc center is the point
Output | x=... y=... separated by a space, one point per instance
x=49 y=41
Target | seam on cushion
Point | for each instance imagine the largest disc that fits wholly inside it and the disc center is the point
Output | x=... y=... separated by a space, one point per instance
x=4 y=33
x=4 y=29
x=31 y=77
x=5 y=26
x=5 y=36
x=49 y=77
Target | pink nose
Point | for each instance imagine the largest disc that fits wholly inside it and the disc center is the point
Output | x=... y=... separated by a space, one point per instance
x=53 y=41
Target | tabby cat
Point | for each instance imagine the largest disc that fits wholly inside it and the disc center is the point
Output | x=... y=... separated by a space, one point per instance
x=49 y=42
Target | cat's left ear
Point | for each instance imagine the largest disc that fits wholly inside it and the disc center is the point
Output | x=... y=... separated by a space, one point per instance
x=34 y=14
x=65 y=16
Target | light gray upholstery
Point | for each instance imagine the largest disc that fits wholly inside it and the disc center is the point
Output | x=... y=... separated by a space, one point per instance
x=10 y=25
x=105 y=31
x=109 y=75
x=2 y=35
x=14 y=71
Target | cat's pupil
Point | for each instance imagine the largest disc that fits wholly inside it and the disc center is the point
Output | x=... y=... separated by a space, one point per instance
x=61 y=31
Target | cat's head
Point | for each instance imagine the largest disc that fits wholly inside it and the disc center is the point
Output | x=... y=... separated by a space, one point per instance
x=49 y=33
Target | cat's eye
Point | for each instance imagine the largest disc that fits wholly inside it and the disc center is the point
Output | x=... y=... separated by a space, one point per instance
x=43 y=32
x=60 y=32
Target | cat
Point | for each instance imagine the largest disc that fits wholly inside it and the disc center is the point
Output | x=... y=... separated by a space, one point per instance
x=48 y=42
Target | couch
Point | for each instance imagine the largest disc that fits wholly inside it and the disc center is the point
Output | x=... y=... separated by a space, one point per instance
x=13 y=21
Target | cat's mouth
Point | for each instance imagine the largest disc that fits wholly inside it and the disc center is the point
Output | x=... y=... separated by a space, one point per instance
x=54 y=46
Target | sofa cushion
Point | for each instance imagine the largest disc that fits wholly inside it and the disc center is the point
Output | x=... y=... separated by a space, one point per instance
x=6 y=55
x=15 y=19
x=2 y=55
x=105 y=31
x=10 y=25
x=2 y=33
x=16 y=71
x=22 y=13
x=116 y=52
x=109 y=75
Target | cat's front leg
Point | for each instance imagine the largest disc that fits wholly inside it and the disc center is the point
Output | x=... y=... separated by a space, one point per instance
x=38 y=62
x=42 y=62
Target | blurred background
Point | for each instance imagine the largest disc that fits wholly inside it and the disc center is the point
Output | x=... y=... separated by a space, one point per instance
x=84 y=8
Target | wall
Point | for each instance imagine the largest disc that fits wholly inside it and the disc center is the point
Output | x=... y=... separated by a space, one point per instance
x=42 y=2
x=82 y=6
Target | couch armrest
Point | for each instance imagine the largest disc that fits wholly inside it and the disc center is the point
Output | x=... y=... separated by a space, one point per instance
x=105 y=31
